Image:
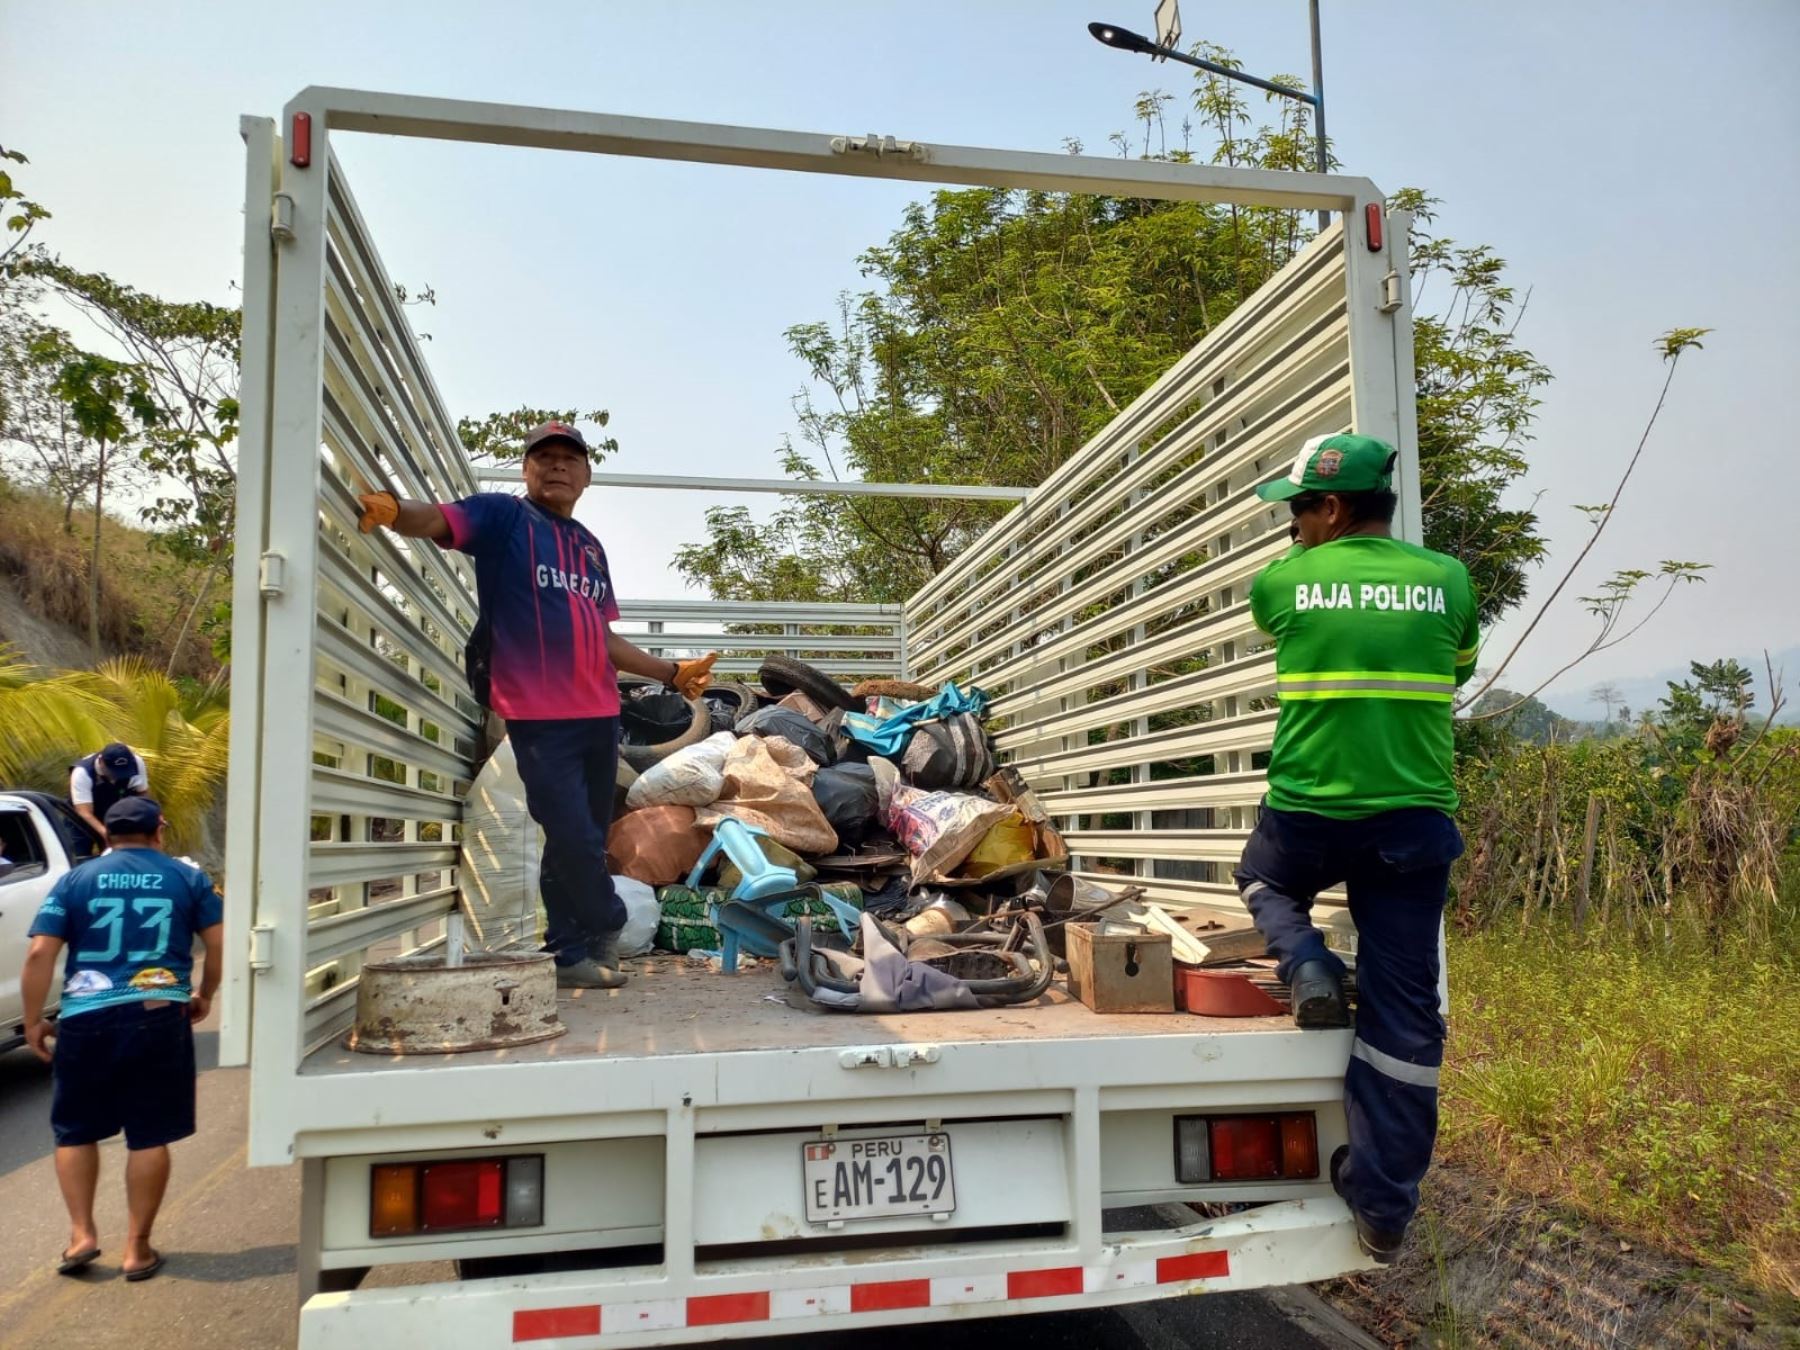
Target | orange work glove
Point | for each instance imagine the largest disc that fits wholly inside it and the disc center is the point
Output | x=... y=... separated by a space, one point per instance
x=692 y=677
x=379 y=508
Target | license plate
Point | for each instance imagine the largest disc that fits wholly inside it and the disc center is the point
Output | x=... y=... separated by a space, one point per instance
x=881 y=1178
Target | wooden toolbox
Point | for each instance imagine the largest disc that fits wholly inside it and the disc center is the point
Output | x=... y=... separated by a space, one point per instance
x=1113 y=970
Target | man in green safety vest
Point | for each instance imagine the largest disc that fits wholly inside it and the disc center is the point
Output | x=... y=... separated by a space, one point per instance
x=1372 y=637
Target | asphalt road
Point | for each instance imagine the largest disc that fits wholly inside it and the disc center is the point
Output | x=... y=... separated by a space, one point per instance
x=229 y=1233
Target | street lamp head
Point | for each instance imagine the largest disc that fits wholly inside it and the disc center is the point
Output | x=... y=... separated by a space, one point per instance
x=1122 y=39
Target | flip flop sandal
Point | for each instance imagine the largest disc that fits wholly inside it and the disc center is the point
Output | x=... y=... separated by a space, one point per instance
x=78 y=1261
x=145 y=1272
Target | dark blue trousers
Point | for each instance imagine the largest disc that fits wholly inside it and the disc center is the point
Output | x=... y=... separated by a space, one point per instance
x=570 y=768
x=1396 y=871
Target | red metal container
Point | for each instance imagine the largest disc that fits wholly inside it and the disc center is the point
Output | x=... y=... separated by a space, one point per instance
x=1221 y=993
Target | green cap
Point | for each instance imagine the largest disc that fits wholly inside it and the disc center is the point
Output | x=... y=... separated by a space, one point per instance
x=1344 y=463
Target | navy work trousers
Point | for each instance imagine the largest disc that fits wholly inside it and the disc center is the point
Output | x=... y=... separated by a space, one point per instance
x=1396 y=871
x=570 y=768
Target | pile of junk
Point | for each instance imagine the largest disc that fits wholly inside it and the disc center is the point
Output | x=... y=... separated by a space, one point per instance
x=865 y=842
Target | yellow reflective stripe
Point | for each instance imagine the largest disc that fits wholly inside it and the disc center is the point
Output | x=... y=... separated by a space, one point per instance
x=1467 y=654
x=1411 y=676
x=1417 y=695
x=1381 y=686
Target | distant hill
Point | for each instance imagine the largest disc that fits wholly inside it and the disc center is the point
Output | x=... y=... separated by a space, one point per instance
x=1569 y=698
x=144 y=593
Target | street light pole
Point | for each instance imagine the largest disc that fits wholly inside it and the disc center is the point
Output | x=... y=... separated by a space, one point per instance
x=1124 y=40
x=1319 y=104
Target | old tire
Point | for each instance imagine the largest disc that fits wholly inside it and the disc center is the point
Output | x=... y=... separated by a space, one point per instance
x=641 y=757
x=782 y=675
x=624 y=777
x=731 y=702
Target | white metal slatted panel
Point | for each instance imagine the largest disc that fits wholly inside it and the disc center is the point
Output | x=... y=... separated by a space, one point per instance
x=395 y=729
x=847 y=641
x=1108 y=616
x=362 y=699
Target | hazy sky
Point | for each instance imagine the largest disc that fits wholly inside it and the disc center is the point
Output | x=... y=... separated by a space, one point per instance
x=1638 y=165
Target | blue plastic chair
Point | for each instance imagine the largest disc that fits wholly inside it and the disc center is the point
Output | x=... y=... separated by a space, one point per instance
x=745 y=919
x=738 y=842
x=753 y=926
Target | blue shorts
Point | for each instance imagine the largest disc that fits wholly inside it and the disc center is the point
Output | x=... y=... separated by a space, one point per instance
x=129 y=1067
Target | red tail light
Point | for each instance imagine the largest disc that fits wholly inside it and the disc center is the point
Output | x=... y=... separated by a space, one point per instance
x=455 y=1196
x=463 y=1195
x=1281 y=1147
x=1246 y=1148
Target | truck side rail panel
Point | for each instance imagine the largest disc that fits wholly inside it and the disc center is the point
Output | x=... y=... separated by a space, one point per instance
x=1109 y=615
x=356 y=736
x=849 y=642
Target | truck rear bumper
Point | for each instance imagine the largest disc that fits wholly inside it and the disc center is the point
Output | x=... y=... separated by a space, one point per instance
x=1293 y=1242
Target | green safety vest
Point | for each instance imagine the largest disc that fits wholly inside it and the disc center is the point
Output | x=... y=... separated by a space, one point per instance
x=1372 y=637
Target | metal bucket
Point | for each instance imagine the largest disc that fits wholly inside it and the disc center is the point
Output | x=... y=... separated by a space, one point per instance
x=416 y=1005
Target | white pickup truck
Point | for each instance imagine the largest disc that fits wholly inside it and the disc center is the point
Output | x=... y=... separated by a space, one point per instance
x=641 y=1180
x=41 y=838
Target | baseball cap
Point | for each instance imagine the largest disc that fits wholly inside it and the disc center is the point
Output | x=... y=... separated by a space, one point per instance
x=1345 y=463
x=133 y=815
x=120 y=763
x=555 y=431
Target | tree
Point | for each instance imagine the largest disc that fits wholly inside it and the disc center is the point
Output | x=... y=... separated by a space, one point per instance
x=47 y=722
x=38 y=439
x=1608 y=696
x=1713 y=690
x=499 y=437
x=100 y=393
x=1005 y=328
x=1614 y=596
x=22 y=215
x=1477 y=398
x=50 y=719
x=186 y=353
x=1524 y=717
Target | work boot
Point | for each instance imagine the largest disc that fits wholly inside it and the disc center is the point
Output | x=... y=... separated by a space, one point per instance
x=1318 y=996
x=606 y=949
x=1381 y=1247
x=588 y=974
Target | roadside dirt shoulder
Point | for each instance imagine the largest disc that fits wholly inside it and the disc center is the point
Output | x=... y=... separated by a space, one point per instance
x=1489 y=1269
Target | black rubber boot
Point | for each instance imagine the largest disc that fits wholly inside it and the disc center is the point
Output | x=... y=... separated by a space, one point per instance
x=1383 y=1248
x=1318 y=996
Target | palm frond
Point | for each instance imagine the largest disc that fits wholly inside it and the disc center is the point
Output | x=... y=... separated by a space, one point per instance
x=50 y=720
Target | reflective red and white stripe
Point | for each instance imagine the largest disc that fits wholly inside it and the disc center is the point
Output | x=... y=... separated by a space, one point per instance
x=711 y=1310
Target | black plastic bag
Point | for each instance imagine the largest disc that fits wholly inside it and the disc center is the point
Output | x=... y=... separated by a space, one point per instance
x=947 y=755
x=790 y=726
x=845 y=749
x=846 y=794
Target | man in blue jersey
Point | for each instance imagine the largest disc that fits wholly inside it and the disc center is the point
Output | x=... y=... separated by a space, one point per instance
x=124 y=1052
x=545 y=657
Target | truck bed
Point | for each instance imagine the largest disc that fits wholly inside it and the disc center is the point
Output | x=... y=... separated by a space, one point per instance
x=675 y=1007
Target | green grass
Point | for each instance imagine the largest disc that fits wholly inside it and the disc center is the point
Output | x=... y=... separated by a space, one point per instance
x=144 y=592
x=1658 y=1092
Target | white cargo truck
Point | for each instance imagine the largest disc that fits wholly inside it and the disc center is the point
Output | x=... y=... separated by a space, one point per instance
x=663 y=1174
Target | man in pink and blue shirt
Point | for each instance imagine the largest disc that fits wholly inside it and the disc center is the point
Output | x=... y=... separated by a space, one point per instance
x=544 y=655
